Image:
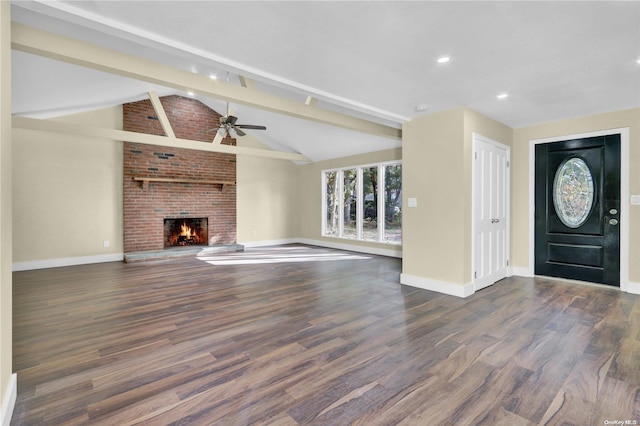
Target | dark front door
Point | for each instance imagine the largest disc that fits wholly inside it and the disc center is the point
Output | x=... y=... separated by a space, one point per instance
x=577 y=212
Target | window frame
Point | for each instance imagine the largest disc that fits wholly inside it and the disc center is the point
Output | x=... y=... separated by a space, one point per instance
x=339 y=180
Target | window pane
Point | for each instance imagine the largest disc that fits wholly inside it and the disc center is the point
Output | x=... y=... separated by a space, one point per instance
x=393 y=203
x=370 y=205
x=573 y=192
x=350 y=203
x=331 y=182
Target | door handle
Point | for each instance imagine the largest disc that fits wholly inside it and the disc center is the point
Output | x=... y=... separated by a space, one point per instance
x=613 y=221
x=495 y=220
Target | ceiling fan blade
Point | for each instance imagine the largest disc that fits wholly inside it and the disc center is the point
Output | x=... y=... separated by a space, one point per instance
x=250 y=126
x=238 y=131
x=232 y=120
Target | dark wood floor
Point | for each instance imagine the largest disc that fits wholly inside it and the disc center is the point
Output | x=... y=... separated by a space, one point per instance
x=300 y=335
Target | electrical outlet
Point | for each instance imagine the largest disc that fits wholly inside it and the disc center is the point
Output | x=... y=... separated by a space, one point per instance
x=635 y=200
x=105 y=243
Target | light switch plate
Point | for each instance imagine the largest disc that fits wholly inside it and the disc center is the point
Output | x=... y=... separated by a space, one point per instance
x=635 y=200
x=412 y=202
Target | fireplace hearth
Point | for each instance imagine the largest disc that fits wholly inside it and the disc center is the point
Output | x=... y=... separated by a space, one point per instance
x=183 y=232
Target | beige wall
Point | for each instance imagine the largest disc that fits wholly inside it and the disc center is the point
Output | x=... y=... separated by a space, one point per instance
x=267 y=194
x=68 y=192
x=437 y=170
x=433 y=173
x=5 y=210
x=309 y=201
x=520 y=177
x=72 y=188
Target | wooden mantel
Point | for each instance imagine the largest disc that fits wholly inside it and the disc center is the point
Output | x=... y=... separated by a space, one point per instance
x=145 y=181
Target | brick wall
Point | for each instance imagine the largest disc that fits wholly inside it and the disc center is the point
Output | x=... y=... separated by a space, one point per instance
x=146 y=208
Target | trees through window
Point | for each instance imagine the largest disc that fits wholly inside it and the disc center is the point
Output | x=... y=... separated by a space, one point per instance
x=363 y=203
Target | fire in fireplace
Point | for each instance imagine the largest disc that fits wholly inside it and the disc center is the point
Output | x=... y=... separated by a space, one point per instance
x=185 y=232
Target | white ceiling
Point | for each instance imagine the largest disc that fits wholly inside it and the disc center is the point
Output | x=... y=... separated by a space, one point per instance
x=375 y=60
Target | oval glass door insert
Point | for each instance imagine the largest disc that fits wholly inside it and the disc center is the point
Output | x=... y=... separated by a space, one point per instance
x=573 y=192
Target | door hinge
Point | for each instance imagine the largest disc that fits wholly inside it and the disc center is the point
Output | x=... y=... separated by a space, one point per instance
x=476 y=155
x=475 y=274
x=507 y=163
x=507 y=262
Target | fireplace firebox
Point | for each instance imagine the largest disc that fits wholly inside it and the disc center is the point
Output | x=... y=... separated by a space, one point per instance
x=182 y=232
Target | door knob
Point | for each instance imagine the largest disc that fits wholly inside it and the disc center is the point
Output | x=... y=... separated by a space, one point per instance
x=613 y=211
x=495 y=220
x=613 y=221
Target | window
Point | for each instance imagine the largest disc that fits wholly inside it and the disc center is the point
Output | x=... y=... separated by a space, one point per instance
x=331 y=203
x=393 y=204
x=370 y=204
x=363 y=203
x=350 y=203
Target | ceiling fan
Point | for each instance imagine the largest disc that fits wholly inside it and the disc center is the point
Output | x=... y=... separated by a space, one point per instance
x=228 y=125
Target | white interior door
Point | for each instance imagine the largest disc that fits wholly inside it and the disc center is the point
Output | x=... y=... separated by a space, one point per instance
x=490 y=211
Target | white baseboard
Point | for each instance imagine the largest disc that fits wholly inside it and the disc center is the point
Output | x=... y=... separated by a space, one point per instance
x=458 y=290
x=9 y=400
x=395 y=252
x=67 y=261
x=267 y=243
x=632 y=287
x=521 y=271
x=391 y=252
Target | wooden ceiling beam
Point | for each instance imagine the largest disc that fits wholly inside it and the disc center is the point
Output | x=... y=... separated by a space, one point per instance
x=310 y=101
x=162 y=115
x=247 y=82
x=34 y=124
x=35 y=41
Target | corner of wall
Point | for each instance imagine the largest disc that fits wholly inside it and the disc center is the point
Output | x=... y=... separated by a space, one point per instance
x=632 y=287
x=9 y=401
x=8 y=393
x=458 y=290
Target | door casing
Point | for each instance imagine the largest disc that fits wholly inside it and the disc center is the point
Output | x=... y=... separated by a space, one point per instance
x=624 y=197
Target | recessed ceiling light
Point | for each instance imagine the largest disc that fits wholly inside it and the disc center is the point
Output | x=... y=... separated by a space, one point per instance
x=638 y=61
x=421 y=107
x=502 y=95
x=190 y=93
x=443 y=59
x=213 y=77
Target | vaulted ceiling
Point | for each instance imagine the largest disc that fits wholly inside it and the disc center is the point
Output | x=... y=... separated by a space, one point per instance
x=374 y=60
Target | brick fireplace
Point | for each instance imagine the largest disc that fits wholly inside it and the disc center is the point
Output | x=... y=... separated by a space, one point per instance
x=174 y=184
